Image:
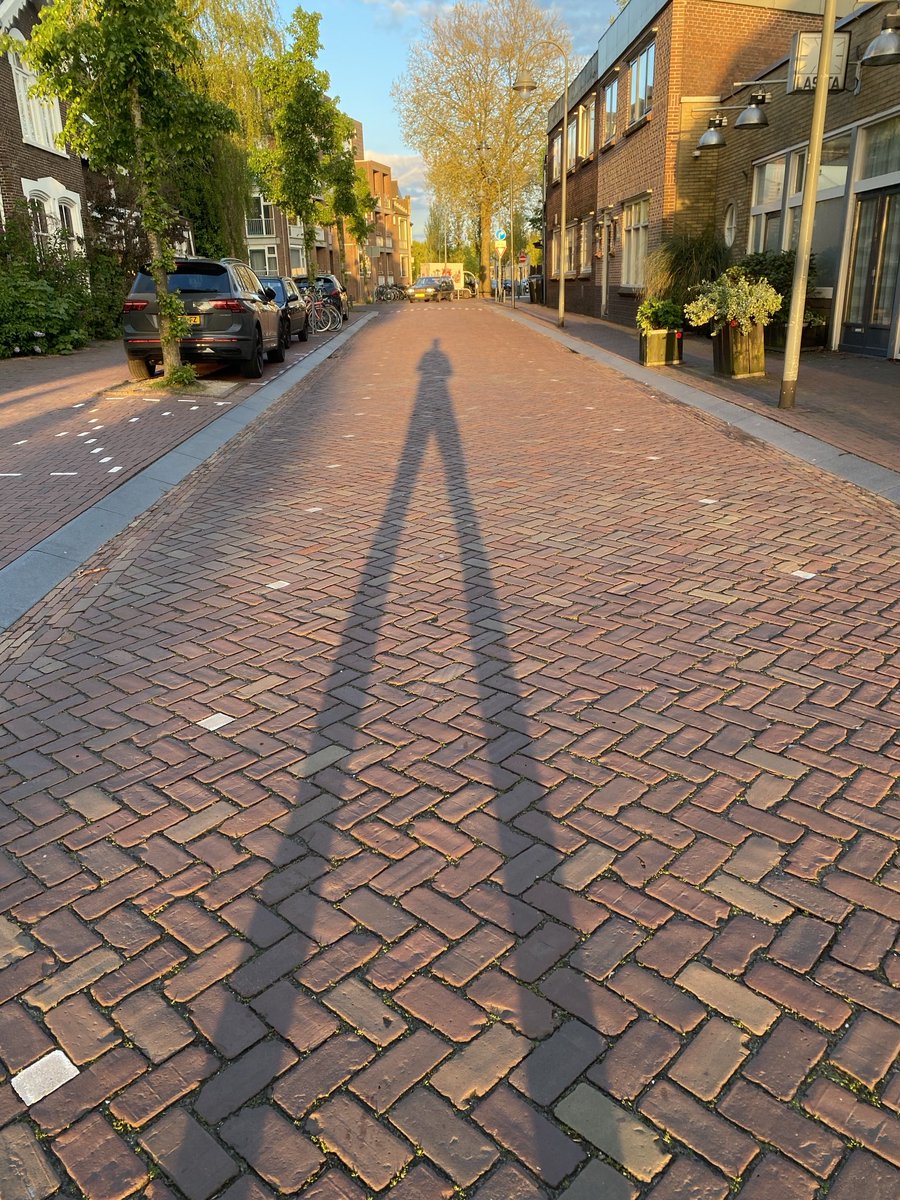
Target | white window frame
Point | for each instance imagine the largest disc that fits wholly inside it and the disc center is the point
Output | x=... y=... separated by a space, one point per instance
x=641 y=70
x=264 y=213
x=572 y=141
x=586 y=245
x=271 y=253
x=763 y=212
x=554 y=253
x=52 y=195
x=556 y=157
x=610 y=111
x=587 y=127
x=571 y=248
x=40 y=120
x=635 y=238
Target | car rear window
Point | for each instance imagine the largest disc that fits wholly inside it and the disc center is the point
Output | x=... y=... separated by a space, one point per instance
x=191 y=277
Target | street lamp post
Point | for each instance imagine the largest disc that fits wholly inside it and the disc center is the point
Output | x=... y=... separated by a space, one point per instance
x=791 y=369
x=525 y=84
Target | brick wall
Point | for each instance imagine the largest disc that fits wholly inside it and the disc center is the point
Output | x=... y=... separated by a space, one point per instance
x=18 y=159
x=702 y=47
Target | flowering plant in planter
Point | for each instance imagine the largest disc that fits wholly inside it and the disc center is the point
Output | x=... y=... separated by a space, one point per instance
x=655 y=313
x=733 y=300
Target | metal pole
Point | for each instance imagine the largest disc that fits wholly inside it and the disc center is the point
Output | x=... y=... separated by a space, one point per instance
x=561 y=318
x=512 y=242
x=807 y=212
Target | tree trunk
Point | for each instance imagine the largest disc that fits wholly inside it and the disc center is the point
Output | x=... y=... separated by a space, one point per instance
x=146 y=193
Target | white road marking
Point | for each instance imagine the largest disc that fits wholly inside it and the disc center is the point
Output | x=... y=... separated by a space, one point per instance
x=216 y=721
x=281 y=583
x=43 y=1077
x=804 y=574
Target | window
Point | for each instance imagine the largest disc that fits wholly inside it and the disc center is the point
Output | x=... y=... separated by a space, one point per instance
x=555 y=157
x=37 y=207
x=571 y=238
x=40 y=119
x=729 y=226
x=641 y=72
x=572 y=142
x=264 y=260
x=586 y=245
x=67 y=221
x=767 y=200
x=882 y=149
x=261 y=220
x=610 y=110
x=554 y=252
x=587 y=127
x=298 y=259
x=635 y=232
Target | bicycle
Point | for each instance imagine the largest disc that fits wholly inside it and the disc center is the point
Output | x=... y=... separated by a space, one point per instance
x=323 y=317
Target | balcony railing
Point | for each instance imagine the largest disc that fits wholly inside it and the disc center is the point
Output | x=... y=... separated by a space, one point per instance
x=260 y=226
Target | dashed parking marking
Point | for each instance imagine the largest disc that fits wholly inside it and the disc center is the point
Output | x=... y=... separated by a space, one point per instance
x=10 y=474
x=707 y=501
x=280 y=583
x=63 y=473
x=804 y=574
x=43 y=1077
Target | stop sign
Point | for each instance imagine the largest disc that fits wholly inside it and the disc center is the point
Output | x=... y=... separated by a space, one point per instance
x=523 y=257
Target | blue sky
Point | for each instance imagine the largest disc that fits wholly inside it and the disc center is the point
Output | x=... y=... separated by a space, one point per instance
x=365 y=47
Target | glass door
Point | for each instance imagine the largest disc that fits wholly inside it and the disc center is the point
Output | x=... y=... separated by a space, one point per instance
x=874 y=274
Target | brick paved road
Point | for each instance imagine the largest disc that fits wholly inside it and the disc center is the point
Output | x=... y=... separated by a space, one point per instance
x=478 y=777
x=63 y=448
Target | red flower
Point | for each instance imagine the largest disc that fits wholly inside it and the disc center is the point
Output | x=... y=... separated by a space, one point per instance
x=733 y=324
x=678 y=333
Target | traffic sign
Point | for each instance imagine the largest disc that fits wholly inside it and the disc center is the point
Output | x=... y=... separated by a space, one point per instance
x=523 y=257
x=500 y=235
x=500 y=247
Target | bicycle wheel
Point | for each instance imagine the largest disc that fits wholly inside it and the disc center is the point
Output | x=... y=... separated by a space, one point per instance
x=335 y=320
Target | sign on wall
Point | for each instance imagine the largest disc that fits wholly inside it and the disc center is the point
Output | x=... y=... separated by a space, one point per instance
x=803 y=66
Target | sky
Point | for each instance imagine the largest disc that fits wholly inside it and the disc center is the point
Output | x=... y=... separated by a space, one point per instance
x=365 y=49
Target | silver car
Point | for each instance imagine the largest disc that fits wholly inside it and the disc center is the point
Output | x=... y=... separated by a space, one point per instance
x=233 y=318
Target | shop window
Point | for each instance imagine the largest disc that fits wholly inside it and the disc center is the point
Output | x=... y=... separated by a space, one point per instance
x=635 y=235
x=767 y=201
x=641 y=75
x=610 y=110
x=881 y=155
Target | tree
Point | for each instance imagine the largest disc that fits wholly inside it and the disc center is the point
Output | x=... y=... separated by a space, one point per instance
x=121 y=69
x=458 y=110
x=305 y=164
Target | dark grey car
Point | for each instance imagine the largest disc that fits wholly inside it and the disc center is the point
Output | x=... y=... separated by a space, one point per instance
x=294 y=307
x=233 y=318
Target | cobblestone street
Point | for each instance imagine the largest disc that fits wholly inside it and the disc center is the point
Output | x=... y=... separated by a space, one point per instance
x=478 y=779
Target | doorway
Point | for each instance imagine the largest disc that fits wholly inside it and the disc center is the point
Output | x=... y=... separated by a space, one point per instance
x=874 y=282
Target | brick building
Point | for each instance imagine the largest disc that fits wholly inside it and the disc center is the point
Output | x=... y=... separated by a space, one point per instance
x=387 y=256
x=856 y=235
x=33 y=169
x=636 y=110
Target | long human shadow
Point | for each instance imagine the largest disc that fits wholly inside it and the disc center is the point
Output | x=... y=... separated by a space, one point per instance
x=490 y=687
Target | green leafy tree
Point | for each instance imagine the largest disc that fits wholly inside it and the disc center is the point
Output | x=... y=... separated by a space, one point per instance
x=457 y=108
x=305 y=164
x=121 y=68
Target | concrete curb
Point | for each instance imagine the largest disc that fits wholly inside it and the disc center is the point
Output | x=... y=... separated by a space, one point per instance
x=33 y=574
x=868 y=476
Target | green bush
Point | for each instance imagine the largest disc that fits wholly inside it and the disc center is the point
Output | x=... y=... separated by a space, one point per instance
x=659 y=314
x=778 y=269
x=45 y=299
x=681 y=263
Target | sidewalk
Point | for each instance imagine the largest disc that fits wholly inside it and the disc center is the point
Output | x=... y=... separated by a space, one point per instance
x=850 y=402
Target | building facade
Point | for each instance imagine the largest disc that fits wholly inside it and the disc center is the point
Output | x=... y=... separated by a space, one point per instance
x=856 y=234
x=34 y=171
x=636 y=110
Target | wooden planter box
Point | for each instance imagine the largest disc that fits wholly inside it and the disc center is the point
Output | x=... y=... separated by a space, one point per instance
x=661 y=348
x=739 y=355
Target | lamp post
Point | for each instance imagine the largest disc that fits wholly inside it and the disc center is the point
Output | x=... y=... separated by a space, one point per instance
x=525 y=84
x=791 y=369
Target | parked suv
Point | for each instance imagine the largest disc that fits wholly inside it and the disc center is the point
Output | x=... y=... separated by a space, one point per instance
x=233 y=317
x=333 y=291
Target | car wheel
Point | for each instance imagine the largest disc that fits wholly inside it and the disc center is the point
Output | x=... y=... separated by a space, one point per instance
x=252 y=367
x=141 y=368
x=276 y=354
x=303 y=335
x=286 y=333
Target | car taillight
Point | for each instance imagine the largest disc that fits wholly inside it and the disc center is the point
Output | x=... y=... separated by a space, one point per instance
x=134 y=305
x=235 y=306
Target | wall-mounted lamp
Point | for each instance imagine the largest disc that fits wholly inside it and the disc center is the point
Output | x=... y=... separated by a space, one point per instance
x=884 y=50
x=754 y=115
x=713 y=138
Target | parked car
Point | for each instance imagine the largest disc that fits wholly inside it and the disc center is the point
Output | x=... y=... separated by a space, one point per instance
x=448 y=291
x=470 y=283
x=233 y=317
x=333 y=291
x=294 y=307
x=429 y=287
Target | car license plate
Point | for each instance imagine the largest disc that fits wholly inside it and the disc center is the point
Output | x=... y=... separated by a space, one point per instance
x=193 y=319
